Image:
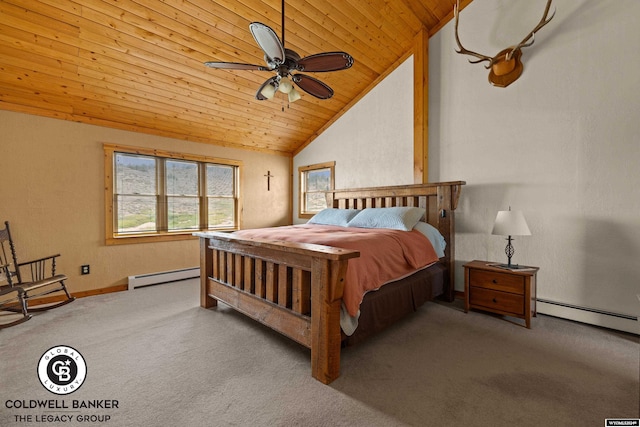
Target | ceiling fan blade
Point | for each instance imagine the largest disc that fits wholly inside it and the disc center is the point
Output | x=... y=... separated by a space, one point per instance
x=313 y=86
x=260 y=95
x=235 y=66
x=327 y=61
x=268 y=42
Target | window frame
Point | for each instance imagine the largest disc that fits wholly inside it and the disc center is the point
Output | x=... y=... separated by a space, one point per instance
x=112 y=237
x=302 y=181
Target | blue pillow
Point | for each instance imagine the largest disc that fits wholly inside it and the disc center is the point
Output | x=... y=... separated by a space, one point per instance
x=434 y=236
x=331 y=216
x=396 y=218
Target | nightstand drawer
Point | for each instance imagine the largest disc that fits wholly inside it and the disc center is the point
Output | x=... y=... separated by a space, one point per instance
x=497 y=281
x=497 y=301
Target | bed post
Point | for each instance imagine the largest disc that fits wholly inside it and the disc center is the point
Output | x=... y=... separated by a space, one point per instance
x=326 y=295
x=447 y=196
x=206 y=271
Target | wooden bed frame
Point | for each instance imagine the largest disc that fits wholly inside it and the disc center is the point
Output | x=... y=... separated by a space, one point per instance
x=296 y=289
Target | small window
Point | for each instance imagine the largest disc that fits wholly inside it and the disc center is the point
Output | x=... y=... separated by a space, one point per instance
x=183 y=200
x=220 y=195
x=167 y=196
x=136 y=196
x=315 y=181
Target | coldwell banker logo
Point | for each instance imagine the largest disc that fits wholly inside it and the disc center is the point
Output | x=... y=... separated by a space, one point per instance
x=62 y=369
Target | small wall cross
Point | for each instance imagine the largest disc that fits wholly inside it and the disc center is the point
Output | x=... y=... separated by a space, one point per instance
x=269 y=176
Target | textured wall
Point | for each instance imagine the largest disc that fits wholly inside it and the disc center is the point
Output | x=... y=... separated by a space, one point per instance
x=370 y=142
x=560 y=144
x=53 y=195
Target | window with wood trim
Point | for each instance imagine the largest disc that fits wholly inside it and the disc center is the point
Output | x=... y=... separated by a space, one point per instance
x=315 y=181
x=153 y=195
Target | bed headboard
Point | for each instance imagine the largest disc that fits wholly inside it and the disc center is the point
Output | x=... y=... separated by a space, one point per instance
x=439 y=199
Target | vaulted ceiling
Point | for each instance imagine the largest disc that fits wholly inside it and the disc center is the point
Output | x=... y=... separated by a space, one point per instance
x=138 y=64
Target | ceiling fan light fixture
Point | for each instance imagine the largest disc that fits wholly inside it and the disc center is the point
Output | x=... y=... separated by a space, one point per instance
x=285 y=85
x=268 y=91
x=294 y=95
x=285 y=63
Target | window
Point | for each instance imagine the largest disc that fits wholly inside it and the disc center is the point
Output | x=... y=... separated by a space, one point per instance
x=152 y=195
x=315 y=180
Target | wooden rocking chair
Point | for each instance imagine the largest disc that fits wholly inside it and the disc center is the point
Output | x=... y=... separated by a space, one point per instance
x=42 y=280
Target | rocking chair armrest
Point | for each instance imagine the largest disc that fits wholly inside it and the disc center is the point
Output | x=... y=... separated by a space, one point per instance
x=6 y=289
x=38 y=260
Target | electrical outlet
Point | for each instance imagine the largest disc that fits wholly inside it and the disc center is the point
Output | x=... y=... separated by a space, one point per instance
x=84 y=269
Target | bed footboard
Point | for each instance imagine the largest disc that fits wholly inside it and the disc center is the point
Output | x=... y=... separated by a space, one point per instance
x=295 y=289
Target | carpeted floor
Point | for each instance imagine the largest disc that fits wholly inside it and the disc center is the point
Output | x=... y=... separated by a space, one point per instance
x=168 y=362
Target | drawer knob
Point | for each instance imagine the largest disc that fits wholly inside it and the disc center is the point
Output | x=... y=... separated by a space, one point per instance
x=495 y=300
x=494 y=281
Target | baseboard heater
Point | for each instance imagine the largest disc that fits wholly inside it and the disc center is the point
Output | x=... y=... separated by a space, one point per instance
x=151 y=279
x=592 y=316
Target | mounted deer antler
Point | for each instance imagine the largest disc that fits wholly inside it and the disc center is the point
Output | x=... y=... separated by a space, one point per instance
x=506 y=66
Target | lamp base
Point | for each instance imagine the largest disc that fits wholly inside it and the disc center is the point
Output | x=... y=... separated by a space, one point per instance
x=509 y=266
x=512 y=267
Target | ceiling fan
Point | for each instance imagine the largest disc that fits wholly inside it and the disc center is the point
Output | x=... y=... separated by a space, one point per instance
x=285 y=62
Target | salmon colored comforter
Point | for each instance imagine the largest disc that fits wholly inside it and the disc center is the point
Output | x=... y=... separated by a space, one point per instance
x=385 y=255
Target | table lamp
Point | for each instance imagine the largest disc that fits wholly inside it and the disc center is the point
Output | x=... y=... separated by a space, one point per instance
x=510 y=223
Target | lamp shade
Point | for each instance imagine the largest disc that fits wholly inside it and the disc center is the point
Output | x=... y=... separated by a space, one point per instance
x=269 y=91
x=294 y=95
x=285 y=85
x=511 y=223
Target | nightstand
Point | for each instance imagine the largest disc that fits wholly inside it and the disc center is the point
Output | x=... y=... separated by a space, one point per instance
x=499 y=290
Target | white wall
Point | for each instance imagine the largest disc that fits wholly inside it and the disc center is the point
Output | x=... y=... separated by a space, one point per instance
x=560 y=144
x=370 y=141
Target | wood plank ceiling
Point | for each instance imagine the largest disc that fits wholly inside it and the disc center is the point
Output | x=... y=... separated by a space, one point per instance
x=138 y=64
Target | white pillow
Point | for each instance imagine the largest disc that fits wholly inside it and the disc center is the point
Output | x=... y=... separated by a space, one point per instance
x=397 y=218
x=331 y=216
x=434 y=236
